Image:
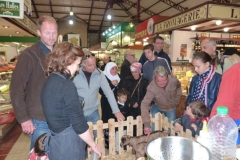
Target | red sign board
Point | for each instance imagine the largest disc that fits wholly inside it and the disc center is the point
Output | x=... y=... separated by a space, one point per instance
x=145 y=29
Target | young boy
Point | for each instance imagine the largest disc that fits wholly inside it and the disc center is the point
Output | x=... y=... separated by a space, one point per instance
x=194 y=115
x=124 y=109
x=153 y=62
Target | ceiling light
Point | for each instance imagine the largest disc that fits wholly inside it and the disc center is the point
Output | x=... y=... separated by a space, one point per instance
x=109 y=16
x=218 y=22
x=17 y=32
x=103 y=34
x=131 y=24
x=10 y=35
x=225 y=29
x=193 y=28
x=106 y=31
x=113 y=26
x=71 y=22
x=110 y=29
x=71 y=13
x=144 y=40
x=6 y=27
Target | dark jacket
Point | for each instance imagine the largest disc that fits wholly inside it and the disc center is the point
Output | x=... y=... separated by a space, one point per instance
x=186 y=123
x=212 y=89
x=161 y=54
x=125 y=69
x=26 y=84
x=105 y=106
x=130 y=83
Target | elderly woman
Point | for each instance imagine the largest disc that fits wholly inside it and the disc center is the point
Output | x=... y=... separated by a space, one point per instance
x=205 y=85
x=137 y=86
x=61 y=105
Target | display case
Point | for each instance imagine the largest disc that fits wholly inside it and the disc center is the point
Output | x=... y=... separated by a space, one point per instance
x=184 y=72
x=7 y=120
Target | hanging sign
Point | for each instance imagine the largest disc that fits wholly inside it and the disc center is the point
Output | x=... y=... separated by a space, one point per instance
x=227 y=12
x=182 y=19
x=12 y=8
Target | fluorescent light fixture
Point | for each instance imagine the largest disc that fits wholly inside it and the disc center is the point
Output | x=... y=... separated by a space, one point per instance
x=71 y=13
x=218 y=22
x=193 y=28
x=225 y=29
x=70 y=22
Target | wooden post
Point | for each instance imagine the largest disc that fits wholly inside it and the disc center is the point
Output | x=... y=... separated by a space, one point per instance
x=111 y=132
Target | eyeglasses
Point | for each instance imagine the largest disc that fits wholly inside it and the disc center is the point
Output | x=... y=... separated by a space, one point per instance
x=86 y=56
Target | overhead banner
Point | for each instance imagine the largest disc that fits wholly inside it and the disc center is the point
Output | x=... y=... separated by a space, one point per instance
x=191 y=16
x=145 y=29
x=227 y=12
x=12 y=8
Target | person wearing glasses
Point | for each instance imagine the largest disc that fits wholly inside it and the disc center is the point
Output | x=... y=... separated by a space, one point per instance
x=28 y=78
x=129 y=58
x=88 y=82
x=61 y=105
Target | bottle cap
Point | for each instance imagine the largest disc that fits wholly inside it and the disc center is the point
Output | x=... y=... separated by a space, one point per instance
x=222 y=110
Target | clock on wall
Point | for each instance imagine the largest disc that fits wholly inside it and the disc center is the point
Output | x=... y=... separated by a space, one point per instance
x=150 y=26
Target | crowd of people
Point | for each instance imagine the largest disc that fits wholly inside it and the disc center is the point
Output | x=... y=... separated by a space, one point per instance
x=54 y=91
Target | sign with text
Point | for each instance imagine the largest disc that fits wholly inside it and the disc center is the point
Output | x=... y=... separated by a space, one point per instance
x=182 y=19
x=12 y=8
x=227 y=12
x=145 y=29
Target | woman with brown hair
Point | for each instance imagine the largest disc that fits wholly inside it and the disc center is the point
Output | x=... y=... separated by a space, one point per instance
x=61 y=105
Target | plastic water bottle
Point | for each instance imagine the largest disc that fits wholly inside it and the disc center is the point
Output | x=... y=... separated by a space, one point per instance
x=223 y=132
x=204 y=136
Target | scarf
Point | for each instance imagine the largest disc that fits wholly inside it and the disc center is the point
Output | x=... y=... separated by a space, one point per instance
x=107 y=69
x=200 y=91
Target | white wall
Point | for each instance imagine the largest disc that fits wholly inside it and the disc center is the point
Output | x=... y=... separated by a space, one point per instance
x=183 y=37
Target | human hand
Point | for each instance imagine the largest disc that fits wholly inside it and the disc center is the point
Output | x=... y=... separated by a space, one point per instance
x=115 y=82
x=119 y=116
x=147 y=131
x=97 y=149
x=194 y=126
x=28 y=127
x=177 y=127
x=135 y=105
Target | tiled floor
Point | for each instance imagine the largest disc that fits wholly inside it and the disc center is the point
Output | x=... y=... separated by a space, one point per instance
x=15 y=145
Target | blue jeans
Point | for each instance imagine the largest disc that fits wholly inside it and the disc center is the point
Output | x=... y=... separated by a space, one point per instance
x=93 y=117
x=171 y=115
x=41 y=127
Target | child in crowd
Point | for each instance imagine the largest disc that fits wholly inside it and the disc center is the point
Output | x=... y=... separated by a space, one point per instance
x=38 y=152
x=194 y=115
x=125 y=109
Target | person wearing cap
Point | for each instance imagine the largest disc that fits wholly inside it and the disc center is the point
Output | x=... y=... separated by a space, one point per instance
x=165 y=90
x=129 y=58
x=136 y=84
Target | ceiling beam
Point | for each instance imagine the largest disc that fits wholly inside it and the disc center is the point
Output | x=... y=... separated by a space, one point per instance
x=170 y=7
x=141 y=8
x=125 y=9
x=74 y=16
x=90 y=15
x=35 y=9
x=76 y=13
x=51 y=7
x=100 y=28
x=174 y=5
x=58 y=5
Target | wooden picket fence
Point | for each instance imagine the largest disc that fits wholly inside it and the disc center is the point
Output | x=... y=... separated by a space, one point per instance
x=160 y=121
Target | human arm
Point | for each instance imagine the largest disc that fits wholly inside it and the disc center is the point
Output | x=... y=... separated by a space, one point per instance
x=146 y=106
x=177 y=125
x=86 y=136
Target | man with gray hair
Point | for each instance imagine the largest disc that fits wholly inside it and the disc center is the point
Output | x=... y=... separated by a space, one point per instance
x=129 y=58
x=165 y=90
x=88 y=82
x=105 y=61
x=209 y=46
